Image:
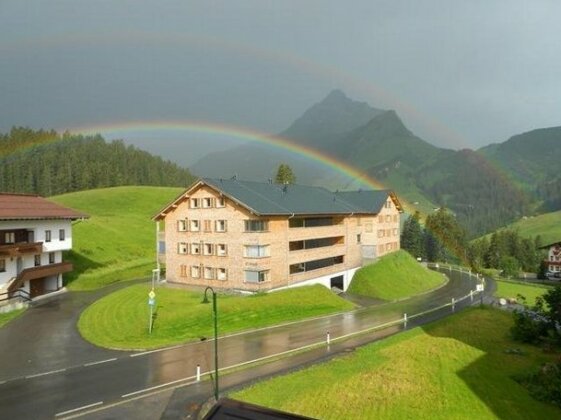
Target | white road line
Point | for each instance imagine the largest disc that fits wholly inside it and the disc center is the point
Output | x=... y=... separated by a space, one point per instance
x=100 y=362
x=44 y=373
x=3 y=382
x=158 y=386
x=84 y=407
x=158 y=350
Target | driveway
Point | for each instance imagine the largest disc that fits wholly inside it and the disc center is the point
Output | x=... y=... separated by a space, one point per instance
x=45 y=337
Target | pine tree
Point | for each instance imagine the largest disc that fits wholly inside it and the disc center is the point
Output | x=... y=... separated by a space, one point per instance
x=285 y=175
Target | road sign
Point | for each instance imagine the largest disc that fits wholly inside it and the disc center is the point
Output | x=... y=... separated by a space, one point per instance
x=151 y=295
x=151 y=301
x=480 y=287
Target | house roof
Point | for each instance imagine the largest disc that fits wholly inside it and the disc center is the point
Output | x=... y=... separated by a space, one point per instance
x=550 y=245
x=33 y=207
x=228 y=409
x=268 y=199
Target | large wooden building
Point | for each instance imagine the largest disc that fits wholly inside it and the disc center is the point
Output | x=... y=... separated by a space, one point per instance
x=244 y=235
x=33 y=234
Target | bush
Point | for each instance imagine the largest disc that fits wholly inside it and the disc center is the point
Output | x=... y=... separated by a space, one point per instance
x=545 y=385
x=529 y=327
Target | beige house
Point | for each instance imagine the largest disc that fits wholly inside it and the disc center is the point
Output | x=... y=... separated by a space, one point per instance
x=244 y=235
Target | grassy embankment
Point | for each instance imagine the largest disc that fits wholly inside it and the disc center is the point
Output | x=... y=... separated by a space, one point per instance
x=511 y=289
x=120 y=319
x=456 y=368
x=118 y=241
x=8 y=316
x=394 y=276
x=547 y=225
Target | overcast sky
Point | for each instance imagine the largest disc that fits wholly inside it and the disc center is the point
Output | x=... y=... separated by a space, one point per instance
x=460 y=74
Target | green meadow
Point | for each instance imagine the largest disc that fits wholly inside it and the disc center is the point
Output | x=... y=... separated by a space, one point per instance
x=511 y=289
x=117 y=242
x=120 y=320
x=394 y=276
x=547 y=225
x=456 y=368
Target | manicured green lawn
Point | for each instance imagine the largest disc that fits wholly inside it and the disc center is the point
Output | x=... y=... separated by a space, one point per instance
x=118 y=241
x=394 y=276
x=507 y=289
x=456 y=368
x=120 y=320
x=8 y=316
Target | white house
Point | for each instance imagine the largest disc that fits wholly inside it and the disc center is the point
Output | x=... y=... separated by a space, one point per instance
x=33 y=234
x=553 y=260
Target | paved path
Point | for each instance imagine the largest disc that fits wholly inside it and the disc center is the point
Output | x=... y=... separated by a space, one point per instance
x=99 y=383
x=45 y=337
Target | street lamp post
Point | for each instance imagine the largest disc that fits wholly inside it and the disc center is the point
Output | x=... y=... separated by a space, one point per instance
x=215 y=312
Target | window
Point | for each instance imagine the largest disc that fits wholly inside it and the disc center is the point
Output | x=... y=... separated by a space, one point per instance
x=37 y=260
x=381 y=233
x=195 y=225
x=221 y=274
x=256 y=225
x=61 y=234
x=388 y=218
x=209 y=273
x=369 y=227
x=47 y=236
x=9 y=237
x=312 y=222
x=195 y=271
x=388 y=232
x=208 y=249
x=394 y=232
x=207 y=202
x=380 y=219
x=2 y=266
x=194 y=203
x=183 y=270
x=182 y=225
x=256 y=251
x=195 y=248
x=388 y=247
x=256 y=276
x=51 y=257
x=381 y=249
x=220 y=202
x=389 y=204
x=358 y=238
x=208 y=225
x=182 y=248
x=395 y=218
x=221 y=250
x=220 y=226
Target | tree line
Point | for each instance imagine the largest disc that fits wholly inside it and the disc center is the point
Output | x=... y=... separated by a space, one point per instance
x=443 y=239
x=47 y=163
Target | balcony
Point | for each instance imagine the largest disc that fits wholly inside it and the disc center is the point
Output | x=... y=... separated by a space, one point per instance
x=21 y=248
x=41 y=271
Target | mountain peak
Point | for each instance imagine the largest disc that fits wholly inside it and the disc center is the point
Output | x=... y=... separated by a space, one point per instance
x=336 y=95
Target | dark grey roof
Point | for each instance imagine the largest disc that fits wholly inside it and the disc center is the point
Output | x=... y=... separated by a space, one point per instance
x=277 y=199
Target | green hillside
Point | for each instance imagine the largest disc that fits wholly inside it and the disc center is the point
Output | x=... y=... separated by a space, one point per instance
x=30 y=162
x=118 y=241
x=548 y=226
x=394 y=276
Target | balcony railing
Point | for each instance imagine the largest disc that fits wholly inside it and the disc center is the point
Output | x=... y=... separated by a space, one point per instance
x=21 y=248
x=33 y=273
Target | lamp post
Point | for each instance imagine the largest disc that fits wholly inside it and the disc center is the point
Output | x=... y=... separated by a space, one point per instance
x=215 y=312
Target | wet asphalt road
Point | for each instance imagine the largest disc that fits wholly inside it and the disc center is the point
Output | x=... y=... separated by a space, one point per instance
x=117 y=376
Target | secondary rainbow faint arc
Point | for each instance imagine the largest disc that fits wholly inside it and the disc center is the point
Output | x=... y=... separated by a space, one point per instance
x=121 y=128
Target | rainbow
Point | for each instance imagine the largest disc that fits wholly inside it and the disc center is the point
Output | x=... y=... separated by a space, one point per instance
x=333 y=75
x=123 y=128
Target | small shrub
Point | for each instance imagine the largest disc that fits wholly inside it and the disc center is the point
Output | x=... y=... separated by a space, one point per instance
x=529 y=327
x=545 y=384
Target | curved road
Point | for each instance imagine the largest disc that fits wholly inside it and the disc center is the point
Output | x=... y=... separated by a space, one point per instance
x=96 y=377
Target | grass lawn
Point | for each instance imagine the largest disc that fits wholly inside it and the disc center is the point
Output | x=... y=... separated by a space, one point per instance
x=118 y=241
x=120 y=320
x=456 y=368
x=8 y=316
x=394 y=276
x=509 y=289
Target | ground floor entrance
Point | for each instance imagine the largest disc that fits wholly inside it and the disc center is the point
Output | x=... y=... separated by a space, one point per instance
x=37 y=287
x=338 y=282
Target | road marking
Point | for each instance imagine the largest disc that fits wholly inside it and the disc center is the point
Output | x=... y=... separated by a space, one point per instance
x=158 y=386
x=3 y=382
x=100 y=362
x=44 y=373
x=158 y=350
x=84 y=407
